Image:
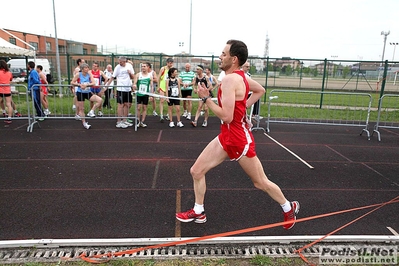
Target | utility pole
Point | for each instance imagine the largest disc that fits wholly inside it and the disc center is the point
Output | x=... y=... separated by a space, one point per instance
x=57 y=52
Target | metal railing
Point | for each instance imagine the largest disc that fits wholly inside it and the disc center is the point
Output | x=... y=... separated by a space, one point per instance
x=62 y=106
x=19 y=102
x=319 y=108
x=388 y=113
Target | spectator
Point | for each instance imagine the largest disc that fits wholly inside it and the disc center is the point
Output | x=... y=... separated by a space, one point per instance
x=124 y=73
x=5 y=91
x=108 y=90
x=143 y=85
x=43 y=89
x=79 y=61
x=96 y=89
x=33 y=80
x=201 y=78
x=187 y=79
x=154 y=89
x=174 y=91
x=163 y=73
x=83 y=81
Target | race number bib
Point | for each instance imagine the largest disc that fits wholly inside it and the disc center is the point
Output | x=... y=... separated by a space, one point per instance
x=175 y=91
x=96 y=81
x=142 y=88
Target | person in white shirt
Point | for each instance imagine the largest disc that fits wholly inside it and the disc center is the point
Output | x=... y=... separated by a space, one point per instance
x=108 y=90
x=124 y=73
x=255 y=113
x=221 y=76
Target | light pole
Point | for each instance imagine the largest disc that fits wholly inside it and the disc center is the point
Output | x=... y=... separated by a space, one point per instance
x=57 y=53
x=385 y=33
x=394 y=48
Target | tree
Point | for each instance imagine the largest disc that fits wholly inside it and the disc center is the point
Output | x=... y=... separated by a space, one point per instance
x=345 y=71
x=314 y=72
x=288 y=70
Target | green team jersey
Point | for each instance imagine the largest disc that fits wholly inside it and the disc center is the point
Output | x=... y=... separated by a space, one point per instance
x=143 y=84
x=186 y=77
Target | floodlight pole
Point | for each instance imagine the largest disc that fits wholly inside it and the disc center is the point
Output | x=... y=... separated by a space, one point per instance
x=57 y=52
x=385 y=33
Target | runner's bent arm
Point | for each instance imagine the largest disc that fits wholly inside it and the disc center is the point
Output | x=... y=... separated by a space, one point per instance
x=257 y=92
x=231 y=84
x=136 y=77
x=161 y=71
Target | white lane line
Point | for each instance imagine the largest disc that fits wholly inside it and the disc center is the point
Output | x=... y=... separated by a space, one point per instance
x=285 y=148
x=393 y=231
x=154 y=179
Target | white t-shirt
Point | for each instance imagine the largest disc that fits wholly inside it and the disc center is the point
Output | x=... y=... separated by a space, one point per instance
x=109 y=75
x=221 y=76
x=123 y=77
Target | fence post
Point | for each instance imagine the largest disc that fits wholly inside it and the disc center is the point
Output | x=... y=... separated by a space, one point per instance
x=68 y=68
x=160 y=63
x=213 y=60
x=322 y=84
x=267 y=75
x=384 y=79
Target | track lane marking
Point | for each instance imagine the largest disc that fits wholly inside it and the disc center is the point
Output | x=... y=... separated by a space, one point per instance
x=393 y=231
x=154 y=179
x=178 y=209
x=292 y=153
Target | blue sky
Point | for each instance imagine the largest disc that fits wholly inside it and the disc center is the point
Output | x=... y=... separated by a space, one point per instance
x=307 y=29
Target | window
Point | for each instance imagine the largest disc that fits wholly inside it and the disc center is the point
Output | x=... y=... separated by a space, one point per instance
x=48 y=46
x=61 y=49
x=13 y=40
x=34 y=44
x=92 y=51
x=84 y=51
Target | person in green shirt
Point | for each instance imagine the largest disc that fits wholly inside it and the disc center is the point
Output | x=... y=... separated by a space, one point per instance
x=143 y=84
x=187 y=81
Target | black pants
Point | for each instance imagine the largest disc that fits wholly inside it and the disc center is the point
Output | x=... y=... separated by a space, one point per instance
x=107 y=100
x=255 y=111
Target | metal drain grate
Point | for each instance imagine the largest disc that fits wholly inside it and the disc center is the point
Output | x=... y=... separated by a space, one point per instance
x=197 y=251
x=204 y=251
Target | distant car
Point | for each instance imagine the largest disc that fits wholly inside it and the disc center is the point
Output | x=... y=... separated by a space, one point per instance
x=18 y=72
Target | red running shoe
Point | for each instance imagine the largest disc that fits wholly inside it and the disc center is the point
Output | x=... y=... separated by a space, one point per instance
x=18 y=114
x=4 y=114
x=8 y=121
x=290 y=216
x=190 y=216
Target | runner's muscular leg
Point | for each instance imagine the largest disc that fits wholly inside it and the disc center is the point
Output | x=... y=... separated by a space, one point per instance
x=254 y=169
x=211 y=156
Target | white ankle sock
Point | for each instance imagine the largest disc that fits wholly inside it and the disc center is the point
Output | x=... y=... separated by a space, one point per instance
x=198 y=208
x=286 y=206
